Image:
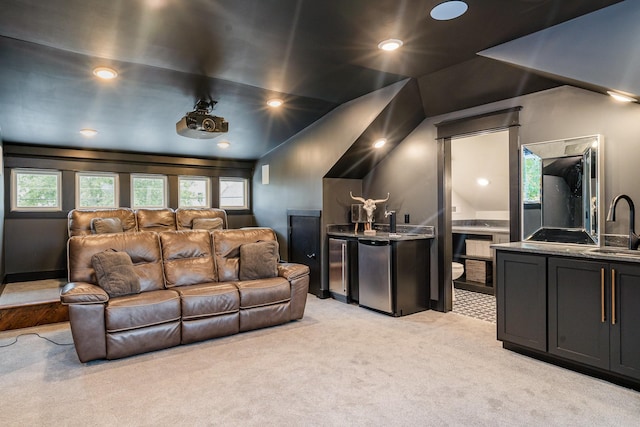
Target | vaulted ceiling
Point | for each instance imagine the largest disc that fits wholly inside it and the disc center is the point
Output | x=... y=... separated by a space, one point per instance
x=315 y=55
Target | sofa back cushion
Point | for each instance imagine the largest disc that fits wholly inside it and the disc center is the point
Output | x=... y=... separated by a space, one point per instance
x=156 y=219
x=226 y=247
x=106 y=225
x=186 y=216
x=187 y=257
x=142 y=248
x=79 y=220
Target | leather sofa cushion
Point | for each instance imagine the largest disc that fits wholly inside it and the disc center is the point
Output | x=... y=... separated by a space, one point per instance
x=106 y=225
x=79 y=220
x=115 y=273
x=256 y=293
x=208 y=224
x=143 y=248
x=259 y=260
x=156 y=219
x=186 y=216
x=208 y=299
x=142 y=310
x=187 y=257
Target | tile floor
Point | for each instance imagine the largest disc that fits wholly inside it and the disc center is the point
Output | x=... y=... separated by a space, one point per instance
x=476 y=305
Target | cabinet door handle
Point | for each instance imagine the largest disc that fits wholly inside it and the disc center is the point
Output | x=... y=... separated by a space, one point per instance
x=602 y=318
x=613 y=296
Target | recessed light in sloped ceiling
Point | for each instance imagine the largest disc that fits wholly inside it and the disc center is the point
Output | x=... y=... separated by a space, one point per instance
x=449 y=10
x=598 y=48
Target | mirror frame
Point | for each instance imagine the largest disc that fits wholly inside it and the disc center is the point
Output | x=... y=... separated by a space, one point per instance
x=587 y=234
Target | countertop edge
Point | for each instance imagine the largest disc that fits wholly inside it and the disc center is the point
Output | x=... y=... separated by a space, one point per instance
x=576 y=251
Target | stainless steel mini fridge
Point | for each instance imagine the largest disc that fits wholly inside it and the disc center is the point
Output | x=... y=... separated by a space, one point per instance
x=339 y=269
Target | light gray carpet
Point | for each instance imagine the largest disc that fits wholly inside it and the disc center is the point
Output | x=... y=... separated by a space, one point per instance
x=340 y=365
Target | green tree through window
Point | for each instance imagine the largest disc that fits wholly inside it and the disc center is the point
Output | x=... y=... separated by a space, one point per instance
x=37 y=189
x=148 y=191
x=96 y=190
x=531 y=177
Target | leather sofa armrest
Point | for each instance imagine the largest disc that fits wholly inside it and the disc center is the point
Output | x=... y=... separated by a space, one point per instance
x=83 y=293
x=291 y=271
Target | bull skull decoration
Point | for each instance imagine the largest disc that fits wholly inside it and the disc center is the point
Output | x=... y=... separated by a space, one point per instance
x=369 y=207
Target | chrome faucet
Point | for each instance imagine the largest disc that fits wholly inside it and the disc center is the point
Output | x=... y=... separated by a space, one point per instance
x=392 y=220
x=634 y=240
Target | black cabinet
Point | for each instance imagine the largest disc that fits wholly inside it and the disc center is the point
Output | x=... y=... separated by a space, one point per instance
x=591 y=313
x=578 y=311
x=304 y=245
x=625 y=320
x=594 y=314
x=521 y=292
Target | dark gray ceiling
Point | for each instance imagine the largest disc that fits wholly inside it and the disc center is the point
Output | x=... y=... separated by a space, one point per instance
x=313 y=54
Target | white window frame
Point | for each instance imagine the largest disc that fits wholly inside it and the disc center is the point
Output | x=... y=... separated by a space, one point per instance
x=14 y=190
x=245 y=183
x=207 y=181
x=165 y=193
x=116 y=192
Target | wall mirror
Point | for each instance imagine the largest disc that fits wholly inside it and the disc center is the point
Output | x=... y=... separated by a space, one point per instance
x=561 y=190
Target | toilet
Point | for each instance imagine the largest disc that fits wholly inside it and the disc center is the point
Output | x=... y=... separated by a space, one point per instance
x=457 y=270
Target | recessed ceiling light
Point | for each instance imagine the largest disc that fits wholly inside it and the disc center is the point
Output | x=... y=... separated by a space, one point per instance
x=449 y=10
x=482 y=181
x=224 y=144
x=275 y=102
x=379 y=143
x=620 y=97
x=105 y=73
x=88 y=132
x=390 y=44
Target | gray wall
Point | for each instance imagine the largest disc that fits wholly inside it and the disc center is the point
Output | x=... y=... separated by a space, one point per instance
x=409 y=172
x=298 y=166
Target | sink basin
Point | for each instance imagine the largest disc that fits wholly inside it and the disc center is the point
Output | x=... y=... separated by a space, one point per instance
x=617 y=251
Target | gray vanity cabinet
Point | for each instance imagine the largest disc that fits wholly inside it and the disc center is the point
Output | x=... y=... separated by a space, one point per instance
x=625 y=321
x=578 y=311
x=521 y=292
x=594 y=314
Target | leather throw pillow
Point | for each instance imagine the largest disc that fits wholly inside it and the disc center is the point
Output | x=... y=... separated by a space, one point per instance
x=106 y=225
x=259 y=260
x=207 y=224
x=115 y=273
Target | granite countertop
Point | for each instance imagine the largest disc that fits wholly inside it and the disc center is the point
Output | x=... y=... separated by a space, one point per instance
x=404 y=232
x=480 y=226
x=606 y=253
x=479 y=229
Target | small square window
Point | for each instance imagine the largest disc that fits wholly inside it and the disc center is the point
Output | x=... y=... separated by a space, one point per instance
x=234 y=193
x=36 y=190
x=148 y=191
x=96 y=190
x=194 y=192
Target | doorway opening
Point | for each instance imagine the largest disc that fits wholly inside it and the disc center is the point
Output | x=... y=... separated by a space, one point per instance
x=506 y=121
x=479 y=217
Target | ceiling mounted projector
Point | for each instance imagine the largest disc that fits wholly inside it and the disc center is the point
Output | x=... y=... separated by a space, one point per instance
x=200 y=124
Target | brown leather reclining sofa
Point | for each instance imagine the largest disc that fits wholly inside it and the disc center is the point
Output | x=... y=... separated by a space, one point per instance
x=193 y=285
x=81 y=221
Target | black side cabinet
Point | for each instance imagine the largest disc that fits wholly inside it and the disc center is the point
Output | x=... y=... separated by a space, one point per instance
x=304 y=245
